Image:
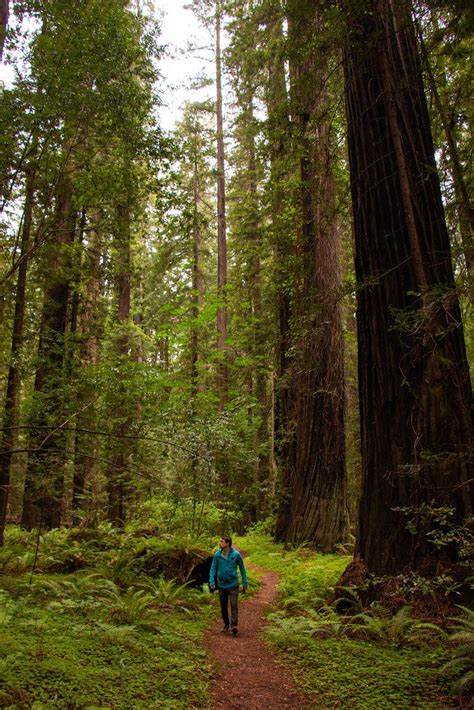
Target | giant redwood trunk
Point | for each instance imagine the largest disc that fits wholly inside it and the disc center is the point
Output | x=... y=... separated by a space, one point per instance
x=315 y=508
x=415 y=393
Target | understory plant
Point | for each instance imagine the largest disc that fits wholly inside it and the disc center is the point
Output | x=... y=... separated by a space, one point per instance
x=461 y=664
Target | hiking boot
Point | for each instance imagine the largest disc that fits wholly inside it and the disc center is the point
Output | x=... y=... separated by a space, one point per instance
x=235 y=630
x=225 y=630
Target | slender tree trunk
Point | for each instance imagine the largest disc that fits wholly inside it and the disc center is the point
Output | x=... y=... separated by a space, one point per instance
x=415 y=392
x=222 y=375
x=197 y=282
x=198 y=294
x=89 y=328
x=118 y=484
x=464 y=205
x=258 y=378
x=10 y=416
x=44 y=482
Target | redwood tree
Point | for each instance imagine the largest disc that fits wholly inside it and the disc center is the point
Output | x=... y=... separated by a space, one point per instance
x=415 y=392
x=222 y=375
x=314 y=507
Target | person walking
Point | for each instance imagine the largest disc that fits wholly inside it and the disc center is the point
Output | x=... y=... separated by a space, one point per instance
x=224 y=577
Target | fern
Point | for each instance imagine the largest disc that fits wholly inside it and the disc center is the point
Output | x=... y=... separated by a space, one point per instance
x=388 y=630
x=133 y=607
x=461 y=663
x=166 y=593
x=350 y=601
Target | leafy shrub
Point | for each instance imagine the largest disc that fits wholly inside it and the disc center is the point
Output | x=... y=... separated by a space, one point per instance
x=171 y=518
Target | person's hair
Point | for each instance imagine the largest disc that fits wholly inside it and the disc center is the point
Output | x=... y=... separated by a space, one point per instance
x=227 y=540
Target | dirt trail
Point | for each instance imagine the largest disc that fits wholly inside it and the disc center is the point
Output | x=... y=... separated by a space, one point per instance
x=247 y=675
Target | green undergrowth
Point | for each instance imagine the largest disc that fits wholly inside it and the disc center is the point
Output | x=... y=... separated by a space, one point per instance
x=104 y=635
x=368 y=659
x=362 y=675
x=49 y=660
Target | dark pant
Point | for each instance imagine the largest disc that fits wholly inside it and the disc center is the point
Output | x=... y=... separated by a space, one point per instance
x=224 y=596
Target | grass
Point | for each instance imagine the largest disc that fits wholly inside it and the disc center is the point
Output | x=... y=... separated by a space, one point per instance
x=341 y=671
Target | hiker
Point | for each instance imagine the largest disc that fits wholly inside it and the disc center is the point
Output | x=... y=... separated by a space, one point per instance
x=223 y=577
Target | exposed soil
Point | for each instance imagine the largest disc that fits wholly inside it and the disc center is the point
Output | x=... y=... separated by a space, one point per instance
x=246 y=672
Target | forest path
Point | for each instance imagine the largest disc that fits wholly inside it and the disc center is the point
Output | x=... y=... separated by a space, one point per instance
x=247 y=674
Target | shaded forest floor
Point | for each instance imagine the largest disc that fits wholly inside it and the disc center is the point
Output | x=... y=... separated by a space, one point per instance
x=88 y=630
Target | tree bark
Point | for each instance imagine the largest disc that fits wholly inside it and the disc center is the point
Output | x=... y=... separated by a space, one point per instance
x=10 y=416
x=415 y=392
x=222 y=374
x=317 y=507
x=44 y=482
x=89 y=328
x=118 y=485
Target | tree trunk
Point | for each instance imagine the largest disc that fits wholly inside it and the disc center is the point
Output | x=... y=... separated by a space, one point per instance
x=44 y=482
x=197 y=281
x=317 y=507
x=118 y=484
x=258 y=376
x=279 y=139
x=464 y=206
x=415 y=392
x=10 y=416
x=222 y=375
x=88 y=332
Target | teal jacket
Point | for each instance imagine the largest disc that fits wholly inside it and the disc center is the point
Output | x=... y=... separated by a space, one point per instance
x=223 y=574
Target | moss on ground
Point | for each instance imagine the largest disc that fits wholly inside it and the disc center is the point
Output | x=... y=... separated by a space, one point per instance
x=53 y=660
x=360 y=675
x=105 y=636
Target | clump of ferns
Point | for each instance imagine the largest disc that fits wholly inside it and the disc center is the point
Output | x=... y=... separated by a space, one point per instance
x=461 y=663
x=388 y=629
x=76 y=594
x=324 y=623
x=133 y=607
x=118 y=569
x=168 y=594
